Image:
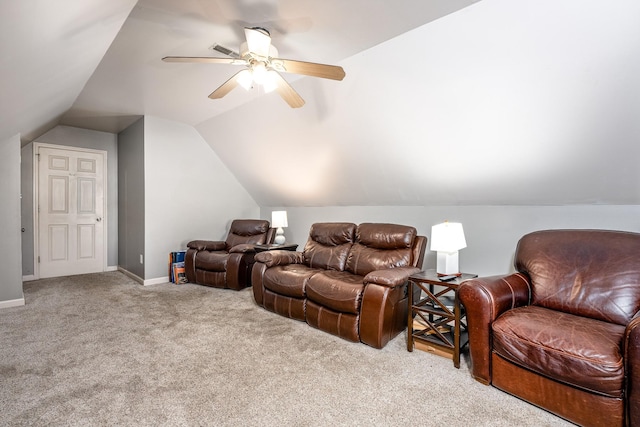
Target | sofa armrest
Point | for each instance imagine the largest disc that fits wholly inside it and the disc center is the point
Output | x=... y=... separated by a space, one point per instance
x=484 y=300
x=257 y=275
x=390 y=277
x=279 y=257
x=242 y=248
x=631 y=349
x=206 y=245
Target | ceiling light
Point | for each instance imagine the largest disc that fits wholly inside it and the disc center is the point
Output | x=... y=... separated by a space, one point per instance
x=245 y=79
x=259 y=72
x=270 y=82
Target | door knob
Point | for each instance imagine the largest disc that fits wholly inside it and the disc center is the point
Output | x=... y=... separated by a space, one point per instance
x=98 y=219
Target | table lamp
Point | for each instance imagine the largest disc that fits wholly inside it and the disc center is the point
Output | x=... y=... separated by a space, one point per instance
x=278 y=221
x=447 y=239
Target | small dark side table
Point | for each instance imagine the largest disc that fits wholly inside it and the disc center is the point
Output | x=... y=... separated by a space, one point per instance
x=437 y=322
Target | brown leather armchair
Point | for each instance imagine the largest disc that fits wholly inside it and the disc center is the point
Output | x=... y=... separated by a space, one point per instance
x=227 y=264
x=563 y=332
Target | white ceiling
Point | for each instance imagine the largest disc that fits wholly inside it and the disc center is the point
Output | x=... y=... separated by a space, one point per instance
x=48 y=52
x=444 y=102
x=132 y=80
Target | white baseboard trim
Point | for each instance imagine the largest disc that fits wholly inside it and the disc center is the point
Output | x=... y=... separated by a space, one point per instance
x=142 y=281
x=12 y=303
x=28 y=278
x=130 y=274
x=156 y=281
x=111 y=268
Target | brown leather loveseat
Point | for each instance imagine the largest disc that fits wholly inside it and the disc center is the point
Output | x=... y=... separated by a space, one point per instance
x=350 y=281
x=227 y=264
x=563 y=332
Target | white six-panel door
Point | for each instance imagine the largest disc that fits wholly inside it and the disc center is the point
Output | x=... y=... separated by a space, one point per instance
x=70 y=205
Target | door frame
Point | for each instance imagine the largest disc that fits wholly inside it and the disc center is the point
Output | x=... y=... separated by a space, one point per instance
x=36 y=189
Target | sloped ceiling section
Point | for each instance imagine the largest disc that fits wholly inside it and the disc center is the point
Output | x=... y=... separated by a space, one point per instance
x=49 y=49
x=132 y=79
x=500 y=103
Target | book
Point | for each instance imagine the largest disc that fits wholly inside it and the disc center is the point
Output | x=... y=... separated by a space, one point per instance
x=174 y=257
x=179 y=275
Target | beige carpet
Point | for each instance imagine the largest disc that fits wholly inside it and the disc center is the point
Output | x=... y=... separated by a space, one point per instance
x=101 y=350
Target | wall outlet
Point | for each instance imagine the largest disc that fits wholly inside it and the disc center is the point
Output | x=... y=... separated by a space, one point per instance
x=141 y=259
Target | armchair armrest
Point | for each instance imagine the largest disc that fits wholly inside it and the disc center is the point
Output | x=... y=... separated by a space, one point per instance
x=484 y=300
x=242 y=248
x=390 y=277
x=206 y=245
x=631 y=349
x=279 y=257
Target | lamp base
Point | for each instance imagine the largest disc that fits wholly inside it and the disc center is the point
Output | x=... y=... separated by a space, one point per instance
x=447 y=264
x=279 y=240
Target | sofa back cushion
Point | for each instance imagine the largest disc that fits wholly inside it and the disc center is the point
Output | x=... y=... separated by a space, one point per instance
x=251 y=231
x=329 y=244
x=591 y=273
x=381 y=246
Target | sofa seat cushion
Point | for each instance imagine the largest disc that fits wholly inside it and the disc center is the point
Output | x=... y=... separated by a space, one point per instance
x=571 y=349
x=338 y=290
x=211 y=261
x=289 y=280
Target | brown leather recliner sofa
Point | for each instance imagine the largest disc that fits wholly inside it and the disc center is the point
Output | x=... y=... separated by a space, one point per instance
x=563 y=332
x=227 y=264
x=350 y=280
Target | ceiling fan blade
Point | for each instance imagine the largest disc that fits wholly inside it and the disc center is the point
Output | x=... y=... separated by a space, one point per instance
x=333 y=72
x=203 y=60
x=228 y=86
x=287 y=93
x=258 y=41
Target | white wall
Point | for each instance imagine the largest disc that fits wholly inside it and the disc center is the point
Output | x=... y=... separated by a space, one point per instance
x=189 y=193
x=492 y=232
x=503 y=102
x=10 y=254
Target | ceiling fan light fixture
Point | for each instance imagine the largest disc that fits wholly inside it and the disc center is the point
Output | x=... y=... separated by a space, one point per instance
x=270 y=81
x=245 y=79
x=263 y=67
x=259 y=70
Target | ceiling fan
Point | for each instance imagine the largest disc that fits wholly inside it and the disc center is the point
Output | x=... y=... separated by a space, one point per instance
x=263 y=67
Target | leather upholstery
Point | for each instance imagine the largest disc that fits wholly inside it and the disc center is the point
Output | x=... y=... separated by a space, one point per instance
x=328 y=245
x=529 y=336
x=597 y=283
x=350 y=281
x=561 y=332
x=227 y=264
x=340 y=291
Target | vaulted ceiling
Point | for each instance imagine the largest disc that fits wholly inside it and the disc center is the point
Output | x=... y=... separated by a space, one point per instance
x=444 y=101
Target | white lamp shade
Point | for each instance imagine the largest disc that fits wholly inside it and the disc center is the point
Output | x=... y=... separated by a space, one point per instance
x=447 y=237
x=279 y=219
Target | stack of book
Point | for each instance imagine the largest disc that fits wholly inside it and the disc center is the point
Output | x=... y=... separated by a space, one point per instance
x=176 y=267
